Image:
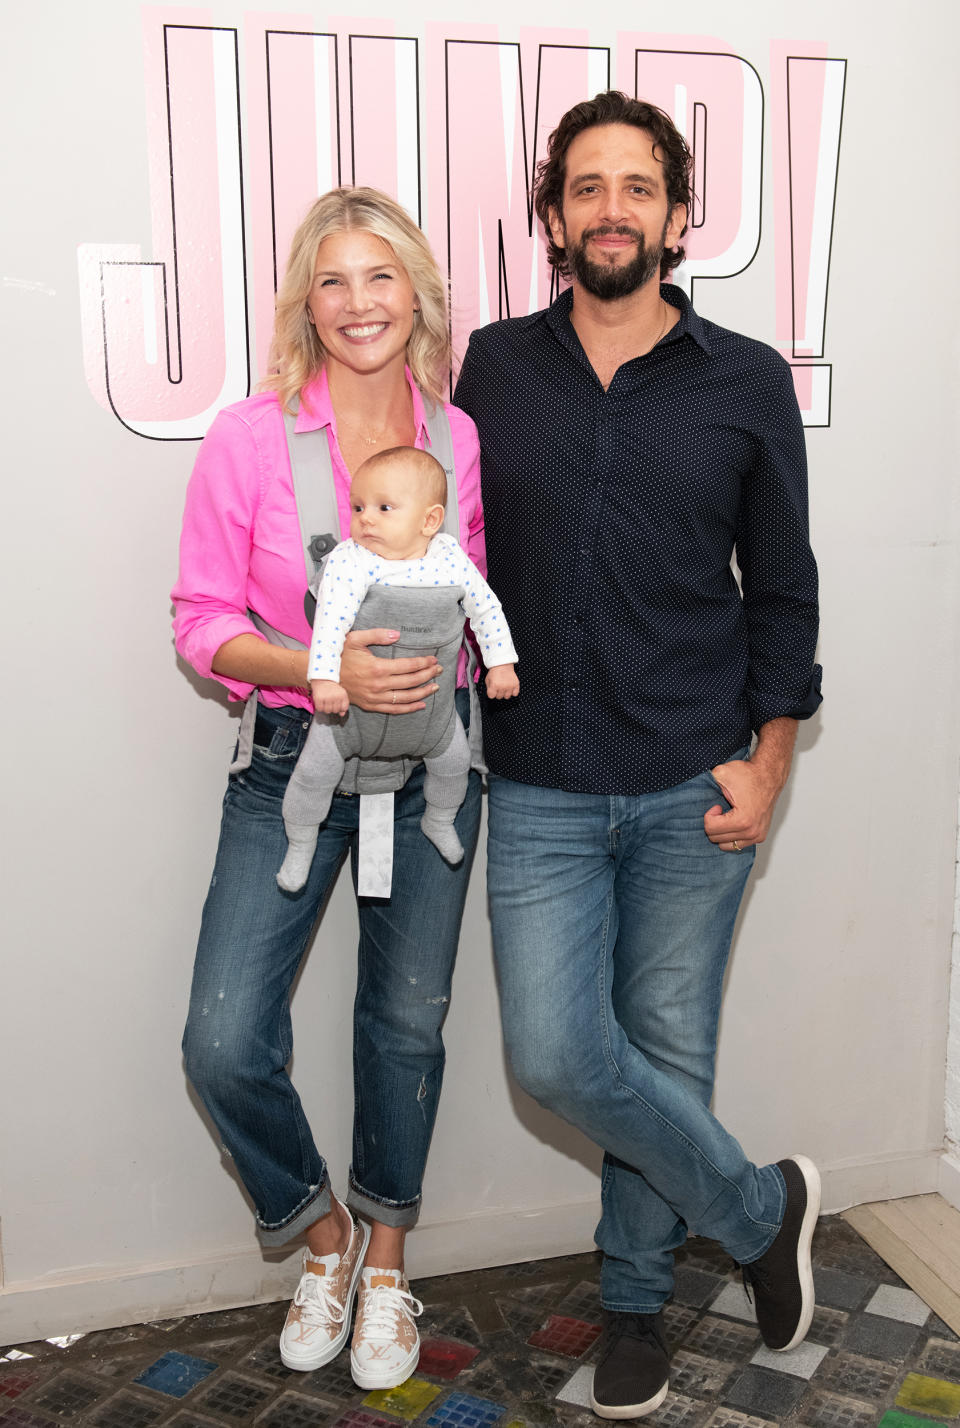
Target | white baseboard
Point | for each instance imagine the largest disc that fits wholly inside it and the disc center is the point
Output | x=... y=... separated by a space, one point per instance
x=245 y=1274
x=948 y=1180
x=105 y=1298
x=860 y=1182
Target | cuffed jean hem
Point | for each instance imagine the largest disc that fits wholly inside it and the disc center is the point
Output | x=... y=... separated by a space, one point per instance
x=398 y=1214
x=313 y=1208
x=648 y=1305
x=775 y=1230
x=623 y=1307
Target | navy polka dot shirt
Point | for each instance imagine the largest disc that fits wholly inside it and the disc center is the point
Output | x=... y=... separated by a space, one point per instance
x=611 y=518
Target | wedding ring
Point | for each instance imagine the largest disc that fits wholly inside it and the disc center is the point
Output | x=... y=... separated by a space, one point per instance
x=736 y=847
x=394 y=699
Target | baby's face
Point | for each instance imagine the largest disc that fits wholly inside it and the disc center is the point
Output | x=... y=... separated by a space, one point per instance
x=390 y=510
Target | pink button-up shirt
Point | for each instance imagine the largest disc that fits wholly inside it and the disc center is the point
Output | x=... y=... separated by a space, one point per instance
x=241 y=546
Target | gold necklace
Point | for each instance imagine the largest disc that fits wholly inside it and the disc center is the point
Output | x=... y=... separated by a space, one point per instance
x=360 y=433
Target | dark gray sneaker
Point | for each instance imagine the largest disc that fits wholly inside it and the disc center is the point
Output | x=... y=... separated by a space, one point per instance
x=633 y=1373
x=781 y=1280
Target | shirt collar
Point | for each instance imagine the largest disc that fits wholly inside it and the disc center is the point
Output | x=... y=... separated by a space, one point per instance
x=690 y=324
x=316 y=408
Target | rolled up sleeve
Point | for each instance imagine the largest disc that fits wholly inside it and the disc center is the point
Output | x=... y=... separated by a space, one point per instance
x=777 y=567
x=222 y=499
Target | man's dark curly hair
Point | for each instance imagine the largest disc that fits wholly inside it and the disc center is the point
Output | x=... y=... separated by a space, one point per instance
x=612 y=107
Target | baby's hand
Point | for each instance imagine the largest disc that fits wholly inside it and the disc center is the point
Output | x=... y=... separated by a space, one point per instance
x=502 y=682
x=329 y=697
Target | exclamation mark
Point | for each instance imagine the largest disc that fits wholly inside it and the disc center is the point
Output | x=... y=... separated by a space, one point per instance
x=810 y=90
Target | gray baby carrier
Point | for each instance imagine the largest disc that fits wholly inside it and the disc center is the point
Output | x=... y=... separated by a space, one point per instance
x=431 y=623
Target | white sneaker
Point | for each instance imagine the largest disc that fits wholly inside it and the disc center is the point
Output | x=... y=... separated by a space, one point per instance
x=318 y=1320
x=386 y=1345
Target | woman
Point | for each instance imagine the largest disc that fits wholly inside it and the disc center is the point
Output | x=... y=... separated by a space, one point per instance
x=360 y=345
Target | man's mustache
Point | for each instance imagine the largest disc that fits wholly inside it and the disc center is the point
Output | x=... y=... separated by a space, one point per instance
x=621 y=230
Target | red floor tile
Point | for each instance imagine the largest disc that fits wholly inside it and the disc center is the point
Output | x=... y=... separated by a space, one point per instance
x=565 y=1336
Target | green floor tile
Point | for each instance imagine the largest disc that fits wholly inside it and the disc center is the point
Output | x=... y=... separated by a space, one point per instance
x=929 y=1395
x=893 y=1419
x=408 y=1401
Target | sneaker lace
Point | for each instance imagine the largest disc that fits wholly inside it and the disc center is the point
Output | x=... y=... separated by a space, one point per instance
x=631 y=1326
x=753 y=1275
x=316 y=1297
x=382 y=1307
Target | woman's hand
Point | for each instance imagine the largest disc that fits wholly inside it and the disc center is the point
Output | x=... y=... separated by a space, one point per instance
x=385 y=686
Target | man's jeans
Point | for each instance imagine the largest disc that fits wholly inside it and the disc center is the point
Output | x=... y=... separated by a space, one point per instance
x=612 y=920
x=252 y=938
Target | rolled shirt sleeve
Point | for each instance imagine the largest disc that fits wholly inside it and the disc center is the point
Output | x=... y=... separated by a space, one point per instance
x=222 y=500
x=777 y=567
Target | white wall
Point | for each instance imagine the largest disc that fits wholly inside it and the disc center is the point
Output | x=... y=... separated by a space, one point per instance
x=113 y=1199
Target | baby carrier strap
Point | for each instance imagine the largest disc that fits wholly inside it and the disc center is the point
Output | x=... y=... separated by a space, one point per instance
x=315 y=491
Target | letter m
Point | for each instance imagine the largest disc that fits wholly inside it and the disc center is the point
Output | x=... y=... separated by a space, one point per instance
x=496 y=256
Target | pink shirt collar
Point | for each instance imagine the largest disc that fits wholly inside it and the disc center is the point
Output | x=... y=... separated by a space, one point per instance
x=316 y=409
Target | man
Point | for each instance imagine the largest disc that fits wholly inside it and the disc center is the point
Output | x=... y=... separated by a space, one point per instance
x=628 y=447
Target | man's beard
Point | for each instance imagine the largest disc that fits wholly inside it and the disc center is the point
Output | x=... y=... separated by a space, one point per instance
x=610 y=281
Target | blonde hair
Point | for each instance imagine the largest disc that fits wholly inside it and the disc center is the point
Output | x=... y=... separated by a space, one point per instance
x=296 y=352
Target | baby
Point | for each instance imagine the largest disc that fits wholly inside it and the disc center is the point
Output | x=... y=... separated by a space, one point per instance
x=397 y=498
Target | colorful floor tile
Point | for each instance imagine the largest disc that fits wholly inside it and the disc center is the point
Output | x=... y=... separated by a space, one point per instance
x=929 y=1395
x=442 y=1358
x=515 y=1347
x=570 y=1337
x=407 y=1401
x=176 y=1374
x=908 y=1420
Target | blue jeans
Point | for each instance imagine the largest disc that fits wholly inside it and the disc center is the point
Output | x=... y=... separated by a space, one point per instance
x=238 y=1037
x=612 y=920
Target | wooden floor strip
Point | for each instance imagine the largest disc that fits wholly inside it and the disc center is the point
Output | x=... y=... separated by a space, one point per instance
x=935 y=1217
x=919 y=1238
x=920 y=1233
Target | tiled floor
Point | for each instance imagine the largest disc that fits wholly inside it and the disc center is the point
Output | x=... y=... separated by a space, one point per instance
x=515 y=1347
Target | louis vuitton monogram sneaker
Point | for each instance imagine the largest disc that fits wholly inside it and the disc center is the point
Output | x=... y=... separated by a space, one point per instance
x=318 y=1320
x=386 y=1344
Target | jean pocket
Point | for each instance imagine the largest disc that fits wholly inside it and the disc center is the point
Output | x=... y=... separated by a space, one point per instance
x=263 y=783
x=285 y=743
x=741 y=756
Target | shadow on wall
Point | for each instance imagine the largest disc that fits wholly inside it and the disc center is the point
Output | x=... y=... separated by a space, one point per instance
x=206 y=688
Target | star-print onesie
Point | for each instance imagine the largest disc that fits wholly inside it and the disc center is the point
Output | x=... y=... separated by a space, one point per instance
x=349 y=573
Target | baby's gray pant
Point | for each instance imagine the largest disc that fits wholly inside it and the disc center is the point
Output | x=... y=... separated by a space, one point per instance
x=430 y=621
x=320 y=767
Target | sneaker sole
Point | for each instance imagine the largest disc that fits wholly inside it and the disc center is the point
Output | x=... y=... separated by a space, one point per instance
x=330 y=1350
x=811 y=1178
x=629 y=1410
x=365 y=1379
